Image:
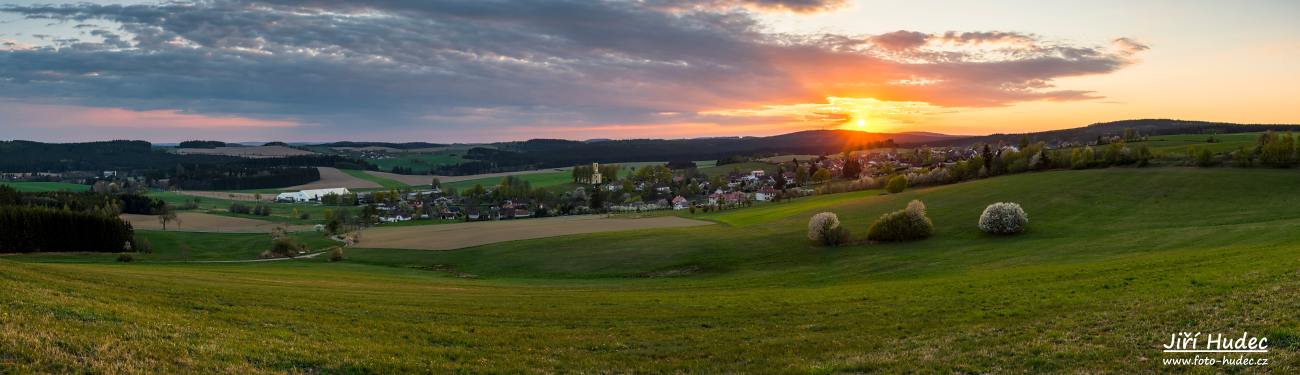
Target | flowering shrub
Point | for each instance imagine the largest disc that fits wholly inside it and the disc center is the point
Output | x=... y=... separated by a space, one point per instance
x=824 y=228
x=933 y=176
x=896 y=184
x=1003 y=218
x=902 y=225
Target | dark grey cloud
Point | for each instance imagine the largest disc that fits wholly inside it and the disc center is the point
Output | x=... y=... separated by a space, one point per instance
x=499 y=62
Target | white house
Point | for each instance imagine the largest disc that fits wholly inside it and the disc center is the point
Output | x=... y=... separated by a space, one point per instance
x=680 y=203
x=309 y=195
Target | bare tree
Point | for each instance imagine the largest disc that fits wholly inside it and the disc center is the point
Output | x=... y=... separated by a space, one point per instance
x=167 y=214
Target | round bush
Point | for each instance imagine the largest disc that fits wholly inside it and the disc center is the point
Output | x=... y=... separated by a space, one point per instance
x=896 y=184
x=1003 y=218
x=902 y=225
x=824 y=228
x=336 y=254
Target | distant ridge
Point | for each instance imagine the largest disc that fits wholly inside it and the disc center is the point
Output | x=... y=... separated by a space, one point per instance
x=400 y=146
x=1115 y=128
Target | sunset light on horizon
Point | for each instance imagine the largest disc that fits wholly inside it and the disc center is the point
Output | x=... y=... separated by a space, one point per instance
x=247 y=70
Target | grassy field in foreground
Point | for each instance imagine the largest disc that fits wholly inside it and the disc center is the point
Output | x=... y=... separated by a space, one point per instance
x=1115 y=260
x=46 y=186
x=174 y=246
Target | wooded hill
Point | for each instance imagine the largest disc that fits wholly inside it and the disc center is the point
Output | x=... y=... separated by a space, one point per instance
x=1116 y=128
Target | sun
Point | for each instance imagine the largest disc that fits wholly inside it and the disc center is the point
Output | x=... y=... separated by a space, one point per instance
x=862 y=123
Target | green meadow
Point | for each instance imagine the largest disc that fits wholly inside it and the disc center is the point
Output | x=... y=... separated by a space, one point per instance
x=1178 y=143
x=536 y=180
x=37 y=187
x=280 y=212
x=744 y=168
x=420 y=162
x=1115 y=261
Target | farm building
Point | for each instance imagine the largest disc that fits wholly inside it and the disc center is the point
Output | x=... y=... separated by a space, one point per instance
x=308 y=195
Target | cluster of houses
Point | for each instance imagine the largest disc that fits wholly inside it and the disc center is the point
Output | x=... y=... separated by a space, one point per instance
x=685 y=190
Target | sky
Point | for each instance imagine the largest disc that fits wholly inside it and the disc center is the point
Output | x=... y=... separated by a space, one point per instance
x=501 y=70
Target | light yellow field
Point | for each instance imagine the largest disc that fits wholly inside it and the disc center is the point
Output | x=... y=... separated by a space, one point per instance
x=461 y=235
x=199 y=222
x=333 y=178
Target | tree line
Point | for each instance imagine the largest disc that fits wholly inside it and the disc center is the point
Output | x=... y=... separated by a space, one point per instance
x=235 y=178
x=26 y=226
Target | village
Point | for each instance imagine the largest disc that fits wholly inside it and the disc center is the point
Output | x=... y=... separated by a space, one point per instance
x=677 y=186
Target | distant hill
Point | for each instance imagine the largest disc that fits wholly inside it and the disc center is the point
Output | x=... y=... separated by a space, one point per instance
x=400 y=146
x=558 y=152
x=1115 y=128
x=28 y=156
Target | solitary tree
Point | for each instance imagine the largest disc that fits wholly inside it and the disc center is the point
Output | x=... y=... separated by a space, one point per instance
x=852 y=169
x=167 y=214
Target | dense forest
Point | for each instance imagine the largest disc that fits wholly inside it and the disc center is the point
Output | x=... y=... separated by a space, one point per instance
x=185 y=171
x=32 y=222
x=201 y=144
x=228 y=177
x=28 y=156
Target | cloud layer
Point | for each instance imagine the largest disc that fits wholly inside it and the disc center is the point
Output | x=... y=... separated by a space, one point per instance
x=424 y=67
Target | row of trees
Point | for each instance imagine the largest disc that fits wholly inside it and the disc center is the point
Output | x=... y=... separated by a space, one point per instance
x=259 y=209
x=101 y=203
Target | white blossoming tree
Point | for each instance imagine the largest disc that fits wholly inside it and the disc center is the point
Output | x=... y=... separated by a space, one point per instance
x=824 y=228
x=1003 y=218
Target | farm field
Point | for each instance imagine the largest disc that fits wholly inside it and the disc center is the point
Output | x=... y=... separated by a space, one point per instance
x=1178 y=249
x=420 y=162
x=1178 y=143
x=460 y=235
x=265 y=196
x=335 y=178
x=722 y=170
x=538 y=179
x=381 y=181
x=201 y=222
x=280 y=212
x=46 y=186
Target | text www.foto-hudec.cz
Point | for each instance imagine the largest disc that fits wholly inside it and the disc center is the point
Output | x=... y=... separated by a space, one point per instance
x=1218 y=350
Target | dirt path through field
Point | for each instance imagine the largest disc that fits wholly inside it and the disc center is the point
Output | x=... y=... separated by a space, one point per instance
x=461 y=235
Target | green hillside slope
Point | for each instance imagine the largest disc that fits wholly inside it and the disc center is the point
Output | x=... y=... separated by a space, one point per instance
x=1114 y=262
